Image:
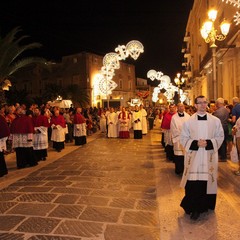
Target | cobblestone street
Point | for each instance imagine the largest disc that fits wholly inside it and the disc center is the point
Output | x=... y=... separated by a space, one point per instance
x=111 y=189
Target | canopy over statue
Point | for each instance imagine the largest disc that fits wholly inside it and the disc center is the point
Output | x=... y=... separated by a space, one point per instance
x=60 y=103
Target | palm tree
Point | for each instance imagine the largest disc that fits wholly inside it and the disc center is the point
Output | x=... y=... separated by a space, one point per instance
x=77 y=95
x=11 y=60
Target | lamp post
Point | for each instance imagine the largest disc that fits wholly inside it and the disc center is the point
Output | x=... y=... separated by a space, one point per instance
x=209 y=34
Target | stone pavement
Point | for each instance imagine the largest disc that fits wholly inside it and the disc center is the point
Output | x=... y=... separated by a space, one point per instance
x=110 y=189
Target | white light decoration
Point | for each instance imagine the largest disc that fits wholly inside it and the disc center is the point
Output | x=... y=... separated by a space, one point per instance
x=134 y=48
x=236 y=4
x=165 y=83
x=152 y=74
x=237 y=18
x=111 y=62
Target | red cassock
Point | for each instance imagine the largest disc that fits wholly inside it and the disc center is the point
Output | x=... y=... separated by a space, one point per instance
x=58 y=120
x=4 y=129
x=40 y=121
x=78 y=119
x=22 y=124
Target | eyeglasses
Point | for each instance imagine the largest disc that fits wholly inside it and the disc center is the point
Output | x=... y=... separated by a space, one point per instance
x=202 y=103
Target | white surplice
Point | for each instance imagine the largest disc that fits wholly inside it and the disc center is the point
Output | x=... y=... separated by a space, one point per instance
x=201 y=164
x=175 y=129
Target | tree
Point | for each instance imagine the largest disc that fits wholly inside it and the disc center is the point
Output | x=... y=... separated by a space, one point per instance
x=11 y=59
x=52 y=91
x=77 y=95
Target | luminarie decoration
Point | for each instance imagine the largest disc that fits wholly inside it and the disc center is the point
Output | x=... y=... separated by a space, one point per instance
x=111 y=62
x=236 y=4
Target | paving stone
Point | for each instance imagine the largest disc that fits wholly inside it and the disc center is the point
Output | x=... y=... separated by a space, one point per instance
x=47 y=237
x=142 y=195
x=31 y=209
x=150 y=205
x=58 y=183
x=11 y=236
x=38 y=225
x=33 y=179
x=35 y=189
x=71 y=190
x=123 y=202
x=67 y=199
x=73 y=173
x=27 y=183
x=89 y=184
x=92 y=200
x=94 y=173
x=4 y=206
x=9 y=189
x=56 y=178
x=67 y=211
x=8 y=222
x=90 y=230
x=5 y=196
x=140 y=218
x=36 y=197
x=109 y=193
x=122 y=232
x=100 y=214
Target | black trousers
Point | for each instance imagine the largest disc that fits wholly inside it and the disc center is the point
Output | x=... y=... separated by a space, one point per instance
x=3 y=166
x=196 y=198
x=25 y=157
x=179 y=164
x=137 y=134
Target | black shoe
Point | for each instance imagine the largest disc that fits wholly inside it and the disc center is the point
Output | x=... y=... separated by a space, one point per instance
x=195 y=215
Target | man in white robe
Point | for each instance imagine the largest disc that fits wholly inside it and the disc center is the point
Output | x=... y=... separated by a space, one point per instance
x=201 y=136
x=144 y=120
x=175 y=129
x=137 y=123
x=112 y=120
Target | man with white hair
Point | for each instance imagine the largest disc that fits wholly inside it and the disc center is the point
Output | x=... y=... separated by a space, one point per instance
x=223 y=114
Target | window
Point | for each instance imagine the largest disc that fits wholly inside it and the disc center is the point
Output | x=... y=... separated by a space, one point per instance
x=130 y=85
x=120 y=84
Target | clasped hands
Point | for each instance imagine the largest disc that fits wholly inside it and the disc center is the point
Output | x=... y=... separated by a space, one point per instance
x=202 y=143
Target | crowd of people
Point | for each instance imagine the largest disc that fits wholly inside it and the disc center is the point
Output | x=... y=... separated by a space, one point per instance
x=195 y=137
x=28 y=131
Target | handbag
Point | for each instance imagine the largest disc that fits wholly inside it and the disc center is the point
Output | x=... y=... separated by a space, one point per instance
x=234 y=152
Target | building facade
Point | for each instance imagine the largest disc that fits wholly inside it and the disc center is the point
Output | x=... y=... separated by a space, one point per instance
x=79 y=69
x=213 y=80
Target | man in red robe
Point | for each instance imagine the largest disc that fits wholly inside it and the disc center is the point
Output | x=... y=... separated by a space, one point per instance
x=123 y=119
x=4 y=133
x=58 y=125
x=40 y=137
x=22 y=139
x=79 y=127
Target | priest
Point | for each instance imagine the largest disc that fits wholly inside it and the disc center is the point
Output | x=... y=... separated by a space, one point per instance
x=4 y=133
x=201 y=137
x=79 y=128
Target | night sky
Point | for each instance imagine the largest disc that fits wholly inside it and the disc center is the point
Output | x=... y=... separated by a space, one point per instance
x=67 y=27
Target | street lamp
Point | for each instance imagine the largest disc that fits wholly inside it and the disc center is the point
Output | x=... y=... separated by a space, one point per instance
x=209 y=34
x=179 y=80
